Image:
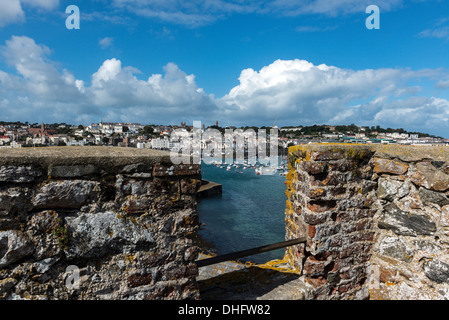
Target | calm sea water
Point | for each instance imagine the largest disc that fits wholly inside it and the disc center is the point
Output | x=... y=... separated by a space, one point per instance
x=249 y=213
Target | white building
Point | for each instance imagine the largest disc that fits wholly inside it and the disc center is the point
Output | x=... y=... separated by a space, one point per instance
x=159 y=143
x=118 y=129
x=4 y=140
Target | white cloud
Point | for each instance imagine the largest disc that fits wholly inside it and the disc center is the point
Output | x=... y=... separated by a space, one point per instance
x=39 y=89
x=43 y=4
x=161 y=96
x=439 y=33
x=11 y=11
x=106 y=42
x=200 y=12
x=442 y=84
x=288 y=87
x=438 y=30
x=292 y=91
x=299 y=92
x=422 y=113
x=314 y=28
x=37 y=74
x=330 y=7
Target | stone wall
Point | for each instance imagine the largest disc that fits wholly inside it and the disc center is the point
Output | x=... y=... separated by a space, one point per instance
x=123 y=218
x=376 y=218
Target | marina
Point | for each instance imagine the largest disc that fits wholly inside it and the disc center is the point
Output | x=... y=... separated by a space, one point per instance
x=259 y=167
x=249 y=211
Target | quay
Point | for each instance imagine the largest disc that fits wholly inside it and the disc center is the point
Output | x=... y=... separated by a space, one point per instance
x=209 y=188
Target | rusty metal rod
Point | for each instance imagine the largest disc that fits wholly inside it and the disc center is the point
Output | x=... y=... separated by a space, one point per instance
x=248 y=252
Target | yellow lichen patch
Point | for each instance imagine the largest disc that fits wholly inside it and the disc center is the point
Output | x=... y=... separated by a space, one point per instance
x=280 y=265
x=289 y=205
x=129 y=257
x=189 y=220
x=316 y=192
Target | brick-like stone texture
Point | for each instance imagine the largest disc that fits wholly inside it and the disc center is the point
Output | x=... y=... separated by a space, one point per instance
x=125 y=218
x=376 y=220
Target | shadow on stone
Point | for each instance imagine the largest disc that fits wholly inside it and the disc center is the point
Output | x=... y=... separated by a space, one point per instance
x=252 y=283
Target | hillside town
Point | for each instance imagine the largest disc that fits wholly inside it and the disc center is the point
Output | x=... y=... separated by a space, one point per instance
x=18 y=135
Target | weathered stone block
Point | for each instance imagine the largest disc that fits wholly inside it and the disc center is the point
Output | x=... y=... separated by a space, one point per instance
x=79 y=220
x=313 y=218
x=14 y=246
x=6 y=285
x=315 y=268
x=96 y=235
x=428 y=197
x=396 y=248
x=74 y=171
x=19 y=174
x=391 y=189
x=314 y=167
x=125 y=187
x=316 y=193
x=405 y=224
x=137 y=168
x=65 y=194
x=137 y=205
x=13 y=200
x=190 y=186
x=389 y=166
x=45 y=221
x=437 y=271
x=177 y=170
x=139 y=280
x=342 y=165
x=429 y=177
x=321 y=205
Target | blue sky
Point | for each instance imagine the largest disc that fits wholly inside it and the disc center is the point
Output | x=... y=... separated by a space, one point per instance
x=297 y=62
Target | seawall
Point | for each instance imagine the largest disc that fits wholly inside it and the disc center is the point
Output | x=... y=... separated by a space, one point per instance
x=376 y=219
x=97 y=223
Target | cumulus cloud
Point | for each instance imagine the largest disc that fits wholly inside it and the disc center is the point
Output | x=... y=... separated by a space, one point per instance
x=45 y=91
x=11 y=11
x=298 y=87
x=38 y=89
x=36 y=73
x=174 y=92
x=297 y=91
x=292 y=91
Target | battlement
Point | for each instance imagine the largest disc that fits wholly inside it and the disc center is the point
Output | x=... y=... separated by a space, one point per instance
x=97 y=223
x=376 y=219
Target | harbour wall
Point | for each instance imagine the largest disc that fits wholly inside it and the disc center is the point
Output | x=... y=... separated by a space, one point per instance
x=376 y=218
x=97 y=223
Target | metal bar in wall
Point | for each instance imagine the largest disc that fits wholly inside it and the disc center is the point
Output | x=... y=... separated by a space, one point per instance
x=249 y=252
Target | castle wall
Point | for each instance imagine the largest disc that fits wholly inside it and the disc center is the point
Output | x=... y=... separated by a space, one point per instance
x=97 y=223
x=376 y=218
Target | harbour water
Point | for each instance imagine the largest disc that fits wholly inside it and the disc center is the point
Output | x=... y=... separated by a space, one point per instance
x=249 y=212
